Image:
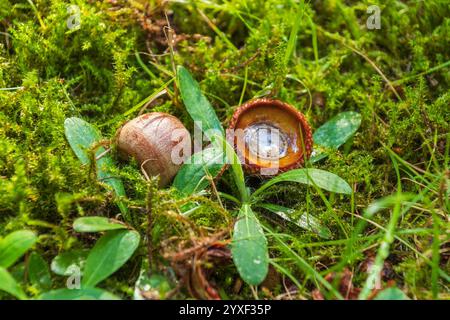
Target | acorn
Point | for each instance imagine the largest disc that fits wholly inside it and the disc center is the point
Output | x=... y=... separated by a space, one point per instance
x=158 y=141
x=270 y=136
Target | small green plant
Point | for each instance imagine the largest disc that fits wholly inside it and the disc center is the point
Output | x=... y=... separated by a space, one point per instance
x=87 y=270
x=12 y=248
x=249 y=246
x=86 y=142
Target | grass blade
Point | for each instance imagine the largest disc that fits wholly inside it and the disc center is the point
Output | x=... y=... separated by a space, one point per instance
x=314 y=177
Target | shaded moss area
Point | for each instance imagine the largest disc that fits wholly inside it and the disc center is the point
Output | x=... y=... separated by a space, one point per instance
x=319 y=57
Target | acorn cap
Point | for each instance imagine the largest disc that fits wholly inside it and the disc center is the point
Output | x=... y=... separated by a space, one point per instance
x=151 y=139
x=270 y=136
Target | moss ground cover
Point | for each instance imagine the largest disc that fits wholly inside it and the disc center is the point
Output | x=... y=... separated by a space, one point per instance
x=106 y=61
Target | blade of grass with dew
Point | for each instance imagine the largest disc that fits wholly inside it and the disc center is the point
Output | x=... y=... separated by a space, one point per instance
x=292 y=41
x=377 y=267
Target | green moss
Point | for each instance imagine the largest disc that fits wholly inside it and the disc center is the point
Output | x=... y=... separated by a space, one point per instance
x=49 y=73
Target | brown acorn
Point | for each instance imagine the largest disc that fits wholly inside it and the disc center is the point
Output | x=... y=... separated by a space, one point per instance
x=158 y=141
x=270 y=136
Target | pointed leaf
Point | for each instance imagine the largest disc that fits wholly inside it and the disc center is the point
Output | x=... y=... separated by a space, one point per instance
x=314 y=177
x=335 y=133
x=78 y=294
x=249 y=247
x=109 y=253
x=196 y=103
x=191 y=177
x=305 y=221
x=9 y=284
x=38 y=272
x=82 y=136
x=14 y=245
x=96 y=224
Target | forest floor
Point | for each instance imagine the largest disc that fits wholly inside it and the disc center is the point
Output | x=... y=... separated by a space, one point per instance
x=103 y=61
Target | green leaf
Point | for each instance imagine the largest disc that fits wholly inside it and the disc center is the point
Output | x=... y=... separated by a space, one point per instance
x=14 y=245
x=38 y=272
x=109 y=253
x=197 y=105
x=249 y=247
x=82 y=136
x=191 y=177
x=314 y=177
x=393 y=293
x=64 y=263
x=233 y=159
x=8 y=284
x=305 y=221
x=105 y=167
x=335 y=133
x=78 y=294
x=96 y=224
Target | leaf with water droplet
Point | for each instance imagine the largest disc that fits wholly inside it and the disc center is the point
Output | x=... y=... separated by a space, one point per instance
x=249 y=247
x=334 y=133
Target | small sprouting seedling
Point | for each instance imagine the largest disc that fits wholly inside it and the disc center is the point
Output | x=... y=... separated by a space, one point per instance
x=83 y=138
x=12 y=248
x=249 y=246
x=107 y=256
